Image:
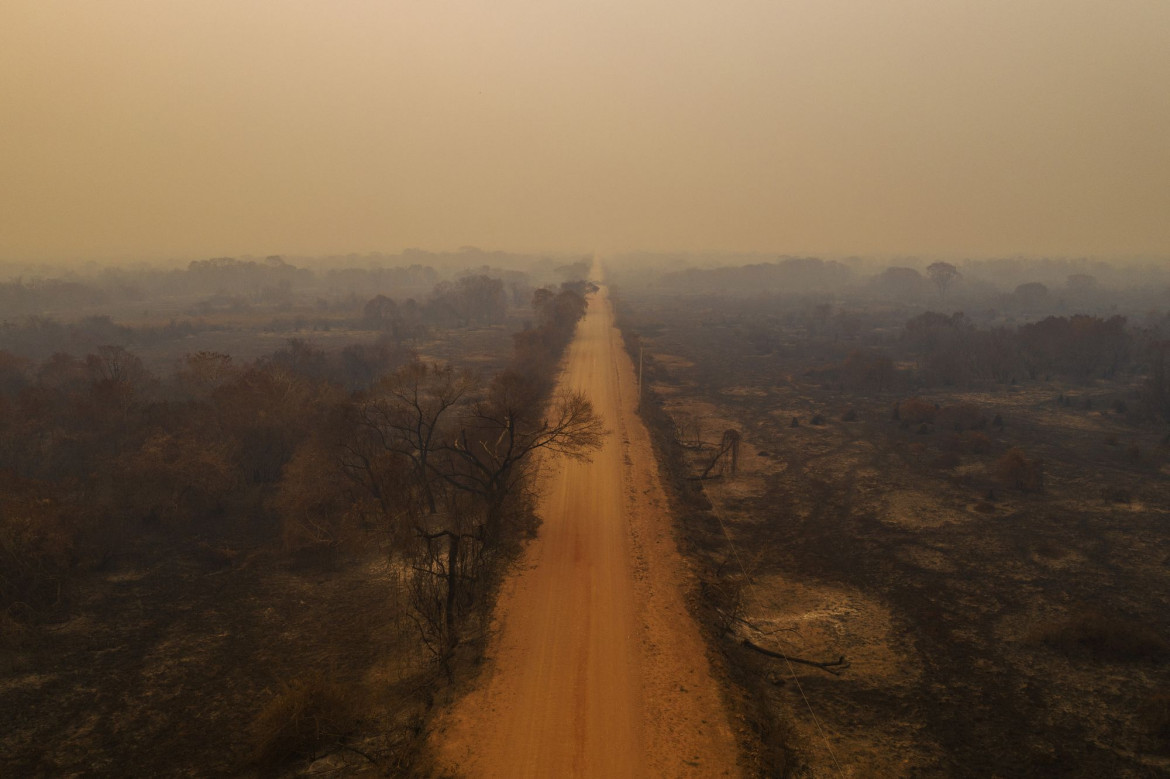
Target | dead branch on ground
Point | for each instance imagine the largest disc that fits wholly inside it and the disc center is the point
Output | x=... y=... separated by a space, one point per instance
x=834 y=667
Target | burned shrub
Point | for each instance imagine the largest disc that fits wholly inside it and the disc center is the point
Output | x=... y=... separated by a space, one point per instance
x=976 y=442
x=1016 y=470
x=307 y=714
x=37 y=549
x=916 y=411
x=962 y=416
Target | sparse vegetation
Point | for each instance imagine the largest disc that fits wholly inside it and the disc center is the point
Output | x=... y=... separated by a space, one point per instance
x=953 y=499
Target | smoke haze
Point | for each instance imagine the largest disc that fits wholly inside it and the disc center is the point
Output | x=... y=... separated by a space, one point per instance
x=149 y=129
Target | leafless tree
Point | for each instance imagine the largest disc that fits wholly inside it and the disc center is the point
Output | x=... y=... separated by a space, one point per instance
x=492 y=454
x=406 y=412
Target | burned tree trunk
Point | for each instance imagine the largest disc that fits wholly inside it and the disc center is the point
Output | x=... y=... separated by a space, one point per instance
x=728 y=454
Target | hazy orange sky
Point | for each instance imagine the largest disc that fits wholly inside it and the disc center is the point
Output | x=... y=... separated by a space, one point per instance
x=159 y=128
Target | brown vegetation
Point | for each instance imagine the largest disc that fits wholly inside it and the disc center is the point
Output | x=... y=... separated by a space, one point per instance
x=934 y=535
x=209 y=537
x=1017 y=471
x=306 y=715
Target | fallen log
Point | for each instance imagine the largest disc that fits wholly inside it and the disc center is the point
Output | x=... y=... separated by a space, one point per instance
x=834 y=667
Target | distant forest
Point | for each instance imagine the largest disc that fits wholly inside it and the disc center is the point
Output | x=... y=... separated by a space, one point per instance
x=73 y=313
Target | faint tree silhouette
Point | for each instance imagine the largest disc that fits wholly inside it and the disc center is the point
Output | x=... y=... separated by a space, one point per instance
x=943 y=274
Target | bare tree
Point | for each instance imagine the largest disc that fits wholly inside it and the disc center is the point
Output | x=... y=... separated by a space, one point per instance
x=447 y=562
x=407 y=411
x=492 y=453
x=688 y=430
x=448 y=469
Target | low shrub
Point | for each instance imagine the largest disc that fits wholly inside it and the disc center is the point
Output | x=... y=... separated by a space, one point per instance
x=962 y=416
x=917 y=411
x=1016 y=470
x=315 y=513
x=307 y=715
x=976 y=442
x=36 y=549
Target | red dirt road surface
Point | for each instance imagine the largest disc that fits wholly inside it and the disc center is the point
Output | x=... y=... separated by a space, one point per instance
x=596 y=667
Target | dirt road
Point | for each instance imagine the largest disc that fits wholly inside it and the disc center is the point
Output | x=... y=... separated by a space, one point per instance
x=596 y=668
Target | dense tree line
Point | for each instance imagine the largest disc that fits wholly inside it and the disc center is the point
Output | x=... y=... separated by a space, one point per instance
x=472 y=300
x=792 y=274
x=953 y=350
x=232 y=283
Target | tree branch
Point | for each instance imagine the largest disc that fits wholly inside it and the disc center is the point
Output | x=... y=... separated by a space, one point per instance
x=834 y=667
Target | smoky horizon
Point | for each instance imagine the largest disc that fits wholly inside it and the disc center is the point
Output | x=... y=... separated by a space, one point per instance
x=135 y=131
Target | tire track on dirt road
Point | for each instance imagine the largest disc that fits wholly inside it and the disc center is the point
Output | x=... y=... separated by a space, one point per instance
x=596 y=667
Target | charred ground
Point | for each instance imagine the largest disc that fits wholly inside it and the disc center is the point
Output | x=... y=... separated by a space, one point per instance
x=972 y=514
x=216 y=553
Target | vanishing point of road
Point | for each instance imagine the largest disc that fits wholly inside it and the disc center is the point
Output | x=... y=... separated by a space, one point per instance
x=596 y=668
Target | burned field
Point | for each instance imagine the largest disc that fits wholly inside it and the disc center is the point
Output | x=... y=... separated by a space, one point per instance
x=212 y=633
x=194 y=661
x=989 y=556
x=221 y=562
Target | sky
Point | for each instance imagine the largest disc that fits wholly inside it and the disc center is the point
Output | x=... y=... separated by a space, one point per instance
x=150 y=129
